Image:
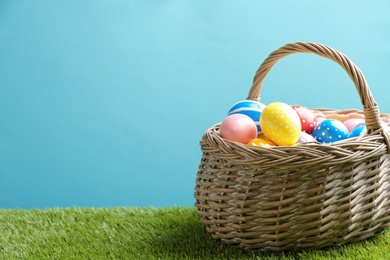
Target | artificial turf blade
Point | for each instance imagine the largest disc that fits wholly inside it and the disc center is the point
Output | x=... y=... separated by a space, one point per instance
x=139 y=233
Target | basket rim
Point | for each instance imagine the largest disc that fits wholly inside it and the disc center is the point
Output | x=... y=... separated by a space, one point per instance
x=351 y=149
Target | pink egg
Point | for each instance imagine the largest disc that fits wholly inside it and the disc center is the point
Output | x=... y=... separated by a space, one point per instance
x=239 y=128
x=320 y=119
x=353 y=123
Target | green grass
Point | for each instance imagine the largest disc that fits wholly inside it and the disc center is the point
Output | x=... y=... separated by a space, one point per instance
x=138 y=233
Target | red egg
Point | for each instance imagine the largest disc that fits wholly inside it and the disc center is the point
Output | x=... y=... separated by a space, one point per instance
x=239 y=128
x=307 y=117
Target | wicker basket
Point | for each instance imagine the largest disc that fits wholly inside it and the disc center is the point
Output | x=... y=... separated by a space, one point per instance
x=307 y=196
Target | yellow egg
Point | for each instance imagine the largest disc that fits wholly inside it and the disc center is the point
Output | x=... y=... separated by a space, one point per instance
x=261 y=140
x=280 y=123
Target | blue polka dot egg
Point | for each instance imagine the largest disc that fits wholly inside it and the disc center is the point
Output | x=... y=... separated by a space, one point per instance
x=358 y=131
x=330 y=130
x=250 y=108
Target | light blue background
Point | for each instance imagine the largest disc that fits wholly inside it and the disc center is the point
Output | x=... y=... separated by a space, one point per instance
x=103 y=103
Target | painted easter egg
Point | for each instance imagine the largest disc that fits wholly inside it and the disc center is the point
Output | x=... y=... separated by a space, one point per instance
x=358 y=130
x=306 y=138
x=280 y=123
x=307 y=117
x=320 y=119
x=261 y=140
x=239 y=128
x=353 y=122
x=385 y=125
x=330 y=130
x=250 y=108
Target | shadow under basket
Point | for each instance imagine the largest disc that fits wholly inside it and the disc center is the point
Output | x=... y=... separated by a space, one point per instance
x=307 y=196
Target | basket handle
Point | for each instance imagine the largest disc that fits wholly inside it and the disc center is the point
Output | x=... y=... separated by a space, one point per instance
x=370 y=107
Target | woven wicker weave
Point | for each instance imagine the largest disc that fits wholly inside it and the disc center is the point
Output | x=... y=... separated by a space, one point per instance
x=307 y=196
